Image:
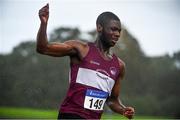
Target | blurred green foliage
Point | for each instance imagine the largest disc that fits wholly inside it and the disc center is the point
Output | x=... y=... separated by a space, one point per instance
x=28 y=79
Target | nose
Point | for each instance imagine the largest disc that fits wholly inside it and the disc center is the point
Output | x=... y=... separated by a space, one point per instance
x=117 y=34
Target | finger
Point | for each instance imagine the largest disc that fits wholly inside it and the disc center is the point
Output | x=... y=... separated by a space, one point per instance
x=45 y=7
x=43 y=14
x=129 y=113
x=43 y=11
x=130 y=110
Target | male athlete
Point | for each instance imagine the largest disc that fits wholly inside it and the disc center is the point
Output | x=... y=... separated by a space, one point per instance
x=95 y=73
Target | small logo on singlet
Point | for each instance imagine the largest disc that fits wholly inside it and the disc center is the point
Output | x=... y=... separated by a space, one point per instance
x=103 y=71
x=105 y=76
x=94 y=62
x=113 y=70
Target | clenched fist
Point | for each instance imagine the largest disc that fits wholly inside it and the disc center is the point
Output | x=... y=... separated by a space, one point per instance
x=129 y=112
x=44 y=14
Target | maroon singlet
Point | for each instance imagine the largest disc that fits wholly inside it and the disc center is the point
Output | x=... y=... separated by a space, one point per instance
x=91 y=82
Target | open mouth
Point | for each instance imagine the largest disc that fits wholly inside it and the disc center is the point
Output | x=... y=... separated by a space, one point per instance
x=114 y=41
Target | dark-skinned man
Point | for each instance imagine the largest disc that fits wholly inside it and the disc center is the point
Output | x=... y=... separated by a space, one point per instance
x=95 y=73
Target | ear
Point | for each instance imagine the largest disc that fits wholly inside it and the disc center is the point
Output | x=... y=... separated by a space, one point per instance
x=99 y=28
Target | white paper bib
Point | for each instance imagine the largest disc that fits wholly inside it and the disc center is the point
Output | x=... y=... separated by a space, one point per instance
x=95 y=99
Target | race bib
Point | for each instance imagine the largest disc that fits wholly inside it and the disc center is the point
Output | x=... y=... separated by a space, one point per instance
x=95 y=99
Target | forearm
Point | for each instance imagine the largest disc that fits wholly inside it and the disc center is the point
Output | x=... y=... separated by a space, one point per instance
x=42 y=37
x=116 y=106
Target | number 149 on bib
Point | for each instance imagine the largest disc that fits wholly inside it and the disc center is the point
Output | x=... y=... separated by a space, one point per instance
x=94 y=99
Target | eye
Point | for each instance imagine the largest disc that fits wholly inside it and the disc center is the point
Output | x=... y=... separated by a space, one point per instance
x=116 y=29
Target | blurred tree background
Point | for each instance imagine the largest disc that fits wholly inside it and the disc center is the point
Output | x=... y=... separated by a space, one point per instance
x=28 y=79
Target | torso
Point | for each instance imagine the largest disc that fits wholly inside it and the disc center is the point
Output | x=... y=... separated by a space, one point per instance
x=91 y=81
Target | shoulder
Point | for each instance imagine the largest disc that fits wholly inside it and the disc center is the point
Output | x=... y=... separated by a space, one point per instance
x=76 y=43
x=121 y=63
x=80 y=47
x=121 y=67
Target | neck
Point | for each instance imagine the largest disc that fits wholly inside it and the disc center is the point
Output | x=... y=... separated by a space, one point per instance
x=102 y=46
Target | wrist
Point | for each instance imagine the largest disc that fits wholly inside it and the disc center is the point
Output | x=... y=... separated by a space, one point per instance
x=44 y=23
x=43 y=26
x=123 y=110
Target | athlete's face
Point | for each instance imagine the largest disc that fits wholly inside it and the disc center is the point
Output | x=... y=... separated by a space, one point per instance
x=111 y=32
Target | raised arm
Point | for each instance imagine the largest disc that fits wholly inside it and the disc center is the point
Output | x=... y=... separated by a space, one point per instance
x=56 y=49
x=114 y=102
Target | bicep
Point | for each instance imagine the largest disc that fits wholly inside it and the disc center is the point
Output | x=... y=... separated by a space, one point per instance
x=59 y=49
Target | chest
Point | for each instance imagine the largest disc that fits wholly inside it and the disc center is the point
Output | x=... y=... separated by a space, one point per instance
x=107 y=68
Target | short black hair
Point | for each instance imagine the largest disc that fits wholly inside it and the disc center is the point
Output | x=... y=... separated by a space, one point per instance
x=105 y=17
